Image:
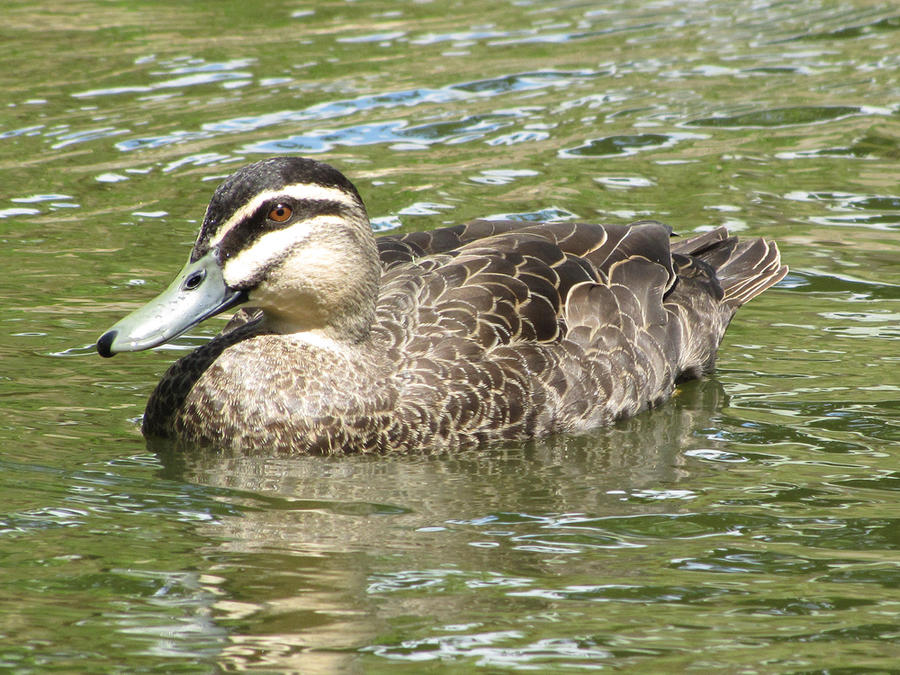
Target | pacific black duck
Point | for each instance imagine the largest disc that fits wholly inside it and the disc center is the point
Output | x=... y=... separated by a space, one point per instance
x=479 y=332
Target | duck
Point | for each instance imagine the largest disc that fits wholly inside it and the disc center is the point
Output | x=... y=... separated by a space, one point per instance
x=466 y=335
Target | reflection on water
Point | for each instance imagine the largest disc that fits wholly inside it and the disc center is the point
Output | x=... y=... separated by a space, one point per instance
x=754 y=531
x=557 y=507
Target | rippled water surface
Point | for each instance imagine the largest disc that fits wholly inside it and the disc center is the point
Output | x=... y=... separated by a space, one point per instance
x=751 y=525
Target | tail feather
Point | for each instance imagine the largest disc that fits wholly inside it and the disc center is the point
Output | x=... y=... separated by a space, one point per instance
x=744 y=268
x=753 y=266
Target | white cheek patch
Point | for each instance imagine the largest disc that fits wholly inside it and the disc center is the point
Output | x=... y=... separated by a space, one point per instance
x=262 y=255
x=298 y=191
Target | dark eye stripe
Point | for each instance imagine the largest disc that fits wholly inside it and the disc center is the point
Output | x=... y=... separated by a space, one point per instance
x=245 y=233
x=278 y=177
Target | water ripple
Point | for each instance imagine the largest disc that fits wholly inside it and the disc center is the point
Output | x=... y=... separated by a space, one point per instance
x=195 y=73
x=781 y=117
x=318 y=141
x=623 y=146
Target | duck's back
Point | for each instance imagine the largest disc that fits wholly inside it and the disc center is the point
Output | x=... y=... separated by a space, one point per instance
x=505 y=331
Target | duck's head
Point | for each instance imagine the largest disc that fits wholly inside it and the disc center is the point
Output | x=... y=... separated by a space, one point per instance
x=288 y=235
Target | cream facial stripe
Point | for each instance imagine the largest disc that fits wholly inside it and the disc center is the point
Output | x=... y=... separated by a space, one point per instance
x=298 y=191
x=249 y=263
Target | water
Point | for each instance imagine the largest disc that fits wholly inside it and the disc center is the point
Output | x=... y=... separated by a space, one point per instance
x=752 y=525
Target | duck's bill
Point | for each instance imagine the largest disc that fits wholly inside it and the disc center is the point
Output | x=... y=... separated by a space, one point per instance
x=198 y=292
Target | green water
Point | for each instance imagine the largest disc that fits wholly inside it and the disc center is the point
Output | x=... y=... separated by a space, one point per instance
x=752 y=525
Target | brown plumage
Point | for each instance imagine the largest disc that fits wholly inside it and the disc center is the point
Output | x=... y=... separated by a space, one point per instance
x=480 y=332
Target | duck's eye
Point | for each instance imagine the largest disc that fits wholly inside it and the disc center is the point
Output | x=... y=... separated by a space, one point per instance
x=281 y=213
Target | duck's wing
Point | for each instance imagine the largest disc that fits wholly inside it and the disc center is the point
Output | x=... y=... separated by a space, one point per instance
x=501 y=282
x=601 y=244
x=559 y=326
x=396 y=249
x=508 y=330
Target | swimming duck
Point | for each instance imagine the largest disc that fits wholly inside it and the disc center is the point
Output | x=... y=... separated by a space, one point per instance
x=480 y=332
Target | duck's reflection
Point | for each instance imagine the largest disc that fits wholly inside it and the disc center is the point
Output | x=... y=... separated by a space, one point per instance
x=300 y=569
